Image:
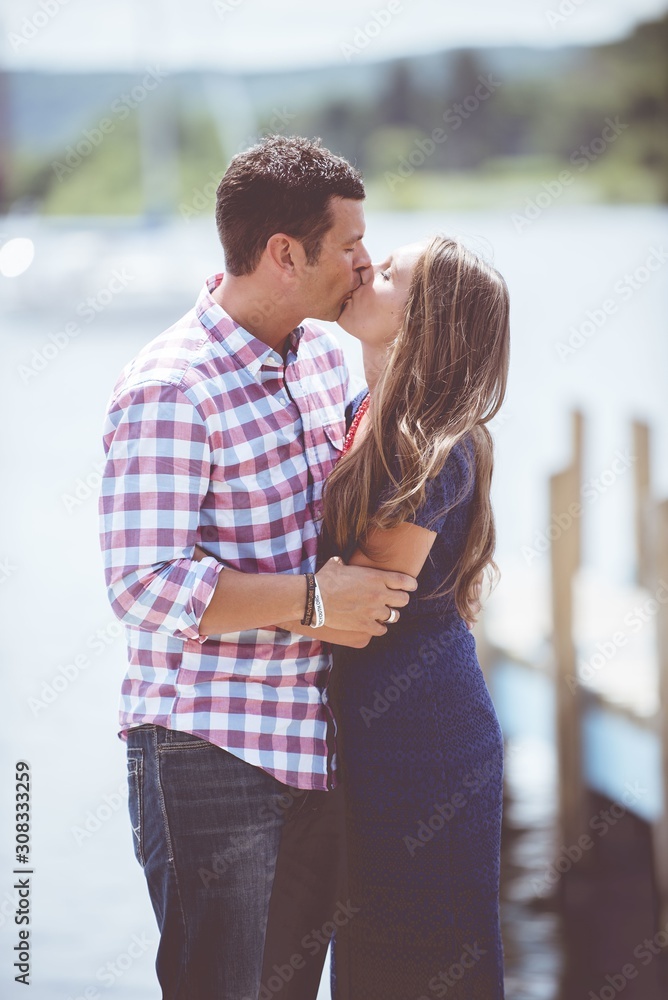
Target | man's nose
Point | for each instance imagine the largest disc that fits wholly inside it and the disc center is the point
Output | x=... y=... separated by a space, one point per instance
x=362 y=261
x=365 y=274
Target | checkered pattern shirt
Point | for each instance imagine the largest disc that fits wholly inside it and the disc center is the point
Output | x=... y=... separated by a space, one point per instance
x=211 y=440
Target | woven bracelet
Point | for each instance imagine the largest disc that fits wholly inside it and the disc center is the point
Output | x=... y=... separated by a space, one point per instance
x=310 y=599
x=318 y=608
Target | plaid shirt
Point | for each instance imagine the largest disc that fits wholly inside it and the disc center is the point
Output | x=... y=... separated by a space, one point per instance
x=210 y=440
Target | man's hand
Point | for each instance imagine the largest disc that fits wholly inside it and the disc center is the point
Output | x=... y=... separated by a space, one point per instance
x=359 y=599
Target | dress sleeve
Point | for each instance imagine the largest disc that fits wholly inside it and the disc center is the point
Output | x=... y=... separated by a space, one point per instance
x=451 y=487
x=354 y=405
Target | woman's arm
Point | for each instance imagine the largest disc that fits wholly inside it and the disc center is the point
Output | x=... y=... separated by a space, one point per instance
x=403 y=548
x=406 y=545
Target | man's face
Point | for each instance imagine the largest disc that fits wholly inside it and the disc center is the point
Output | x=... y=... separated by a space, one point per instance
x=339 y=270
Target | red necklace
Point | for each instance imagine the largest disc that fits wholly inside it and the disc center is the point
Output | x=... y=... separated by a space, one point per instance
x=352 y=430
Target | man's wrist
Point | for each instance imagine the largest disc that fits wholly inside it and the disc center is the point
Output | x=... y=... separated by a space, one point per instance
x=298 y=594
x=309 y=607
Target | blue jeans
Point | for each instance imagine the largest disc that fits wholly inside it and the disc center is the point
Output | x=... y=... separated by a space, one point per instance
x=243 y=872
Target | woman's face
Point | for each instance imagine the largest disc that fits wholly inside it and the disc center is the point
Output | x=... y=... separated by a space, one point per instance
x=375 y=310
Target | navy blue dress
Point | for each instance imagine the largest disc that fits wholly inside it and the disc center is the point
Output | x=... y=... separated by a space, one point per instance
x=421 y=761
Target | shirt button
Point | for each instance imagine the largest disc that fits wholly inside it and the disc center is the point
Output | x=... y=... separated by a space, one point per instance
x=282 y=400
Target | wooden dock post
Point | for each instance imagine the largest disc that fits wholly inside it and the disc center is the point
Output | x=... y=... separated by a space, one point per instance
x=565 y=522
x=660 y=831
x=651 y=535
x=645 y=554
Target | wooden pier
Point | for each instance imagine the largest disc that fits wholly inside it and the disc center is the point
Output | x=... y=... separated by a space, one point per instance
x=598 y=693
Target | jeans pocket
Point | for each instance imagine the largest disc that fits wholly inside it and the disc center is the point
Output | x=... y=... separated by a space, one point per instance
x=135 y=760
x=177 y=739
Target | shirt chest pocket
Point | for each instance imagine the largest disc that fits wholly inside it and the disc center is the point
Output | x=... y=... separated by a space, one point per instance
x=326 y=421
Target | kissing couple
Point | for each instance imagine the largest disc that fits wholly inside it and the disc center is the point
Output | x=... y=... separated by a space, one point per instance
x=313 y=755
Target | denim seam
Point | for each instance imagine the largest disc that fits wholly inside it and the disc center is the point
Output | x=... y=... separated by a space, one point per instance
x=163 y=807
x=137 y=774
x=170 y=854
x=170 y=747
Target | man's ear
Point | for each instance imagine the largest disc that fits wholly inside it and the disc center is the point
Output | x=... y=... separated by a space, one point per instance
x=284 y=252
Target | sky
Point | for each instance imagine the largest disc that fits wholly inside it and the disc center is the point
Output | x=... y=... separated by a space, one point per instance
x=277 y=34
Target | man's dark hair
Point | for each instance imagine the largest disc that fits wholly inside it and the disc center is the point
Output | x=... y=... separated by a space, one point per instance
x=281 y=185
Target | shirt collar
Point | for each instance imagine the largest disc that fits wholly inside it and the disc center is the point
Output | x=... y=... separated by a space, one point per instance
x=250 y=352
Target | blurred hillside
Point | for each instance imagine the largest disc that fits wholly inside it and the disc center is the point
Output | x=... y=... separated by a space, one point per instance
x=462 y=129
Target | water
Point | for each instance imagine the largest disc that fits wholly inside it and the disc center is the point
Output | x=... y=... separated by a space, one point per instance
x=64 y=657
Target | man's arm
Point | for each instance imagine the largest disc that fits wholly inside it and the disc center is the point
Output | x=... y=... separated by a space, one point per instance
x=155 y=481
x=402 y=549
x=354 y=599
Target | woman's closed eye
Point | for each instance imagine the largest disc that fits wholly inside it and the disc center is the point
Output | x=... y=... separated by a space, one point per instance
x=385 y=274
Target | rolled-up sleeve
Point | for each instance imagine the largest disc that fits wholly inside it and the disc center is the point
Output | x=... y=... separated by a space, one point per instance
x=156 y=477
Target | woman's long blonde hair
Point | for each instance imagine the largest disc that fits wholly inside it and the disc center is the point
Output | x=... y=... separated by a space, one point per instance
x=445 y=378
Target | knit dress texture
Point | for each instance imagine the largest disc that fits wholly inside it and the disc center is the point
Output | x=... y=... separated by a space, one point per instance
x=420 y=753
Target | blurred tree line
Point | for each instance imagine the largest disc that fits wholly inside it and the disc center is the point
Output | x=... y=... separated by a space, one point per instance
x=484 y=127
x=530 y=127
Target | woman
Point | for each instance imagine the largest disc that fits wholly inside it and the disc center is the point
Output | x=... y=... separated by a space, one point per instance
x=420 y=747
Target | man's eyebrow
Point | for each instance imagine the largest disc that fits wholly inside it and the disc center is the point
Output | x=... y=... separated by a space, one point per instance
x=355 y=239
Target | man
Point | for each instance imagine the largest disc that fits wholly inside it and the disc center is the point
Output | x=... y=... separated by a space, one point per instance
x=219 y=436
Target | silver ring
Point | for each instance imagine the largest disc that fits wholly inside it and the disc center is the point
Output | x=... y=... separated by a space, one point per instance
x=394 y=617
